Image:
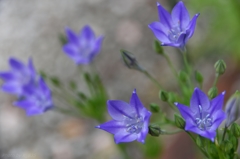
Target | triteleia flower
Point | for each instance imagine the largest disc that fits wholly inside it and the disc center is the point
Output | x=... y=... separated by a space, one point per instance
x=203 y=116
x=37 y=99
x=130 y=121
x=84 y=47
x=175 y=29
x=18 y=77
x=233 y=109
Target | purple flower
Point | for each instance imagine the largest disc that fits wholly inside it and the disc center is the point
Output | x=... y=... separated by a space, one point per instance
x=37 y=99
x=84 y=47
x=18 y=77
x=130 y=121
x=203 y=116
x=175 y=29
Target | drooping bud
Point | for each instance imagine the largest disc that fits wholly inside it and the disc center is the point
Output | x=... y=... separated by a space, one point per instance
x=130 y=60
x=154 y=130
x=157 y=47
x=235 y=129
x=198 y=77
x=154 y=108
x=180 y=123
x=220 y=67
x=213 y=92
x=55 y=81
x=233 y=108
x=163 y=95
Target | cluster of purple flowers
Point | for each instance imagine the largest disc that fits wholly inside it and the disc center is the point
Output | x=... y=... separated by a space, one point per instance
x=21 y=80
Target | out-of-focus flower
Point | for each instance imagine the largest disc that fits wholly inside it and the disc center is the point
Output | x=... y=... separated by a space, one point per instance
x=175 y=29
x=84 y=47
x=18 y=77
x=130 y=121
x=233 y=109
x=37 y=99
x=203 y=116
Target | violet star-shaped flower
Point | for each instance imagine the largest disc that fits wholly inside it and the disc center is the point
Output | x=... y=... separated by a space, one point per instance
x=203 y=116
x=37 y=99
x=19 y=76
x=175 y=29
x=84 y=47
x=130 y=121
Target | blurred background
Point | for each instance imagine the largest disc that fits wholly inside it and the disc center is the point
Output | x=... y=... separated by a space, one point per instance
x=30 y=28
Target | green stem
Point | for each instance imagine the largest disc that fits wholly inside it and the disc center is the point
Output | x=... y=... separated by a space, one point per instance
x=224 y=133
x=170 y=133
x=196 y=143
x=216 y=80
x=186 y=62
x=170 y=65
x=152 y=79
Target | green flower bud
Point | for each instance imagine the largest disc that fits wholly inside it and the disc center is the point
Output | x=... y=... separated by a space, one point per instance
x=179 y=121
x=154 y=108
x=183 y=76
x=55 y=81
x=213 y=92
x=198 y=77
x=220 y=67
x=73 y=85
x=233 y=108
x=199 y=141
x=157 y=47
x=154 y=130
x=82 y=96
x=130 y=60
x=235 y=129
x=163 y=96
x=63 y=39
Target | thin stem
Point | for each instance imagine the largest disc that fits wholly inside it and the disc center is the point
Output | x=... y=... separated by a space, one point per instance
x=186 y=62
x=152 y=79
x=196 y=143
x=224 y=133
x=216 y=80
x=163 y=132
x=170 y=65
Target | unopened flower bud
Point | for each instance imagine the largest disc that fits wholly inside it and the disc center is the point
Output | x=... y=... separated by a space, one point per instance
x=183 y=76
x=220 y=67
x=130 y=60
x=180 y=123
x=213 y=92
x=198 y=77
x=235 y=129
x=233 y=108
x=163 y=96
x=154 y=130
x=154 y=108
x=157 y=47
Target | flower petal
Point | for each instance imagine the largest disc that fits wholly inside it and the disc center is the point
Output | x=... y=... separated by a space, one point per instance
x=136 y=103
x=72 y=37
x=31 y=67
x=112 y=126
x=12 y=88
x=165 y=17
x=15 y=64
x=207 y=134
x=142 y=135
x=218 y=118
x=87 y=33
x=98 y=44
x=191 y=27
x=180 y=15
x=159 y=31
x=217 y=103
x=7 y=76
x=199 y=98
x=124 y=137
x=24 y=104
x=118 y=110
x=185 y=112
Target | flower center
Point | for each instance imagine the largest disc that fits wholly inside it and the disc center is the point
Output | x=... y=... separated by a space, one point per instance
x=204 y=121
x=174 y=33
x=134 y=125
